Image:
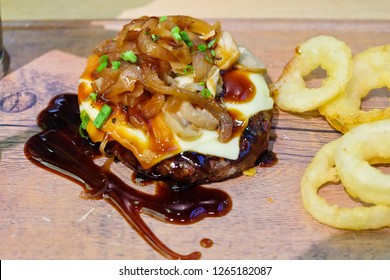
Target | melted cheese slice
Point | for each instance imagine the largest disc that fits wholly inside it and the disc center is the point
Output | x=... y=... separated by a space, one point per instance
x=141 y=144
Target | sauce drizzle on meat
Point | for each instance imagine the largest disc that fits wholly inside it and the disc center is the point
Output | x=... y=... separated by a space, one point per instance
x=60 y=148
x=238 y=87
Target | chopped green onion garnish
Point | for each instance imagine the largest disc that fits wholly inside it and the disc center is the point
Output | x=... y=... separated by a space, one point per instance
x=212 y=53
x=209 y=59
x=104 y=57
x=81 y=131
x=84 y=119
x=102 y=117
x=84 y=122
x=202 y=47
x=155 y=37
x=102 y=66
x=176 y=33
x=176 y=36
x=103 y=62
x=211 y=43
x=205 y=93
x=93 y=96
x=189 y=69
x=129 y=56
x=175 y=29
x=115 y=64
x=185 y=36
x=202 y=83
x=163 y=18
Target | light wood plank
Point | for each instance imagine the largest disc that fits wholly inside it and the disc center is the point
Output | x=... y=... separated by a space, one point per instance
x=42 y=216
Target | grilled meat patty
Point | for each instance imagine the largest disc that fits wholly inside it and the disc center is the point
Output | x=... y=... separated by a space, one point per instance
x=191 y=168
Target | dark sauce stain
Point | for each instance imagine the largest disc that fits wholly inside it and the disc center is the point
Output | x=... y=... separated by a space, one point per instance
x=238 y=87
x=61 y=149
x=238 y=123
x=267 y=159
x=206 y=243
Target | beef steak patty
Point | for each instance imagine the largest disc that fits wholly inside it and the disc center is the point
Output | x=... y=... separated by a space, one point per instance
x=191 y=168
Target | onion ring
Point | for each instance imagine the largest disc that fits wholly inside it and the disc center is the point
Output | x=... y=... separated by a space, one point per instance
x=357 y=147
x=334 y=56
x=322 y=170
x=371 y=70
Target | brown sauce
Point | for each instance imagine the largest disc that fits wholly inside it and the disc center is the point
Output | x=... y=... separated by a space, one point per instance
x=238 y=87
x=238 y=123
x=267 y=159
x=60 y=148
x=206 y=243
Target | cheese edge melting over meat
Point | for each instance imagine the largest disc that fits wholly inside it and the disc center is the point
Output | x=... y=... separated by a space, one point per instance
x=207 y=143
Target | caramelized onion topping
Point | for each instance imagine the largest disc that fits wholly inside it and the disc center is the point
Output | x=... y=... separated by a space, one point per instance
x=164 y=50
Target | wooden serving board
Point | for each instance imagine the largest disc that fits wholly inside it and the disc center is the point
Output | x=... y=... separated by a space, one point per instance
x=42 y=216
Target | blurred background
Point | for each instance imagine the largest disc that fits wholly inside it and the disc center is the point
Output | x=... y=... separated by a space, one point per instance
x=123 y=9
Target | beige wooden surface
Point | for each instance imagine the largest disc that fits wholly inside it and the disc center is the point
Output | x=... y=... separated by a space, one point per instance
x=42 y=217
x=263 y=9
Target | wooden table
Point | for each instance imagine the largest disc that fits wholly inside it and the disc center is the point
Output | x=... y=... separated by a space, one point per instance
x=248 y=9
x=42 y=216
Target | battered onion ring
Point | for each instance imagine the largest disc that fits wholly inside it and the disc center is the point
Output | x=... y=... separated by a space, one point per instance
x=332 y=55
x=322 y=170
x=361 y=145
x=371 y=70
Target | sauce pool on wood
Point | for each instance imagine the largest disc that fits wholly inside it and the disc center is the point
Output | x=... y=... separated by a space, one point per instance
x=206 y=243
x=60 y=148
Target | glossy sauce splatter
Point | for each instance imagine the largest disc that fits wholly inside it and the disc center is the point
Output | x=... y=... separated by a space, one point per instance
x=60 y=148
x=238 y=87
x=206 y=243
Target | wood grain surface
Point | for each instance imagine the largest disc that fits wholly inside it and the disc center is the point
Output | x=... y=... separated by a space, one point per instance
x=42 y=216
x=249 y=9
